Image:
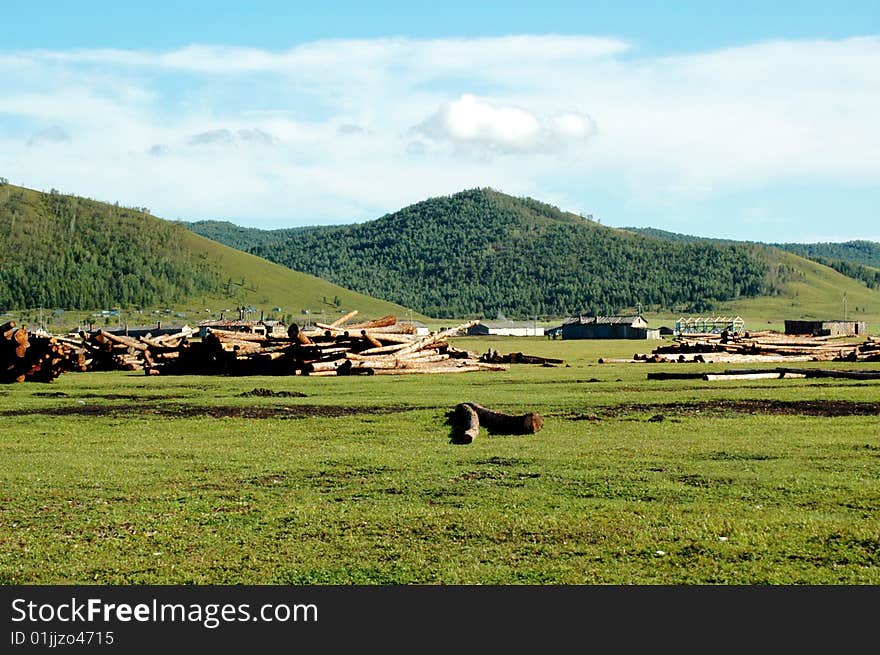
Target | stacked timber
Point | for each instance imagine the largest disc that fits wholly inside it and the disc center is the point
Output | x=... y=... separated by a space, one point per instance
x=27 y=357
x=764 y=346
x=378 y=347
x=113 y=352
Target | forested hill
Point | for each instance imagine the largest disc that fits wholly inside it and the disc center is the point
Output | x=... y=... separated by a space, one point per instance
x=674 y=236
x=484 y=253
x=59 y=250
x=866 y=253
x=859 y=260
x=64 y=251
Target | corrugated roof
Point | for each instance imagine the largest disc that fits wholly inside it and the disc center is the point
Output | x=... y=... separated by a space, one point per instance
x=603 y=320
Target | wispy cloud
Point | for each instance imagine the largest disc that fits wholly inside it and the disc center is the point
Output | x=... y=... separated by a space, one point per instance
x=346 y=130
x=53 y=134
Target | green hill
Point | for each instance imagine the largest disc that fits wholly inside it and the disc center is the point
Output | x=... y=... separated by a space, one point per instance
x=866 y=253
x=859 y=260
x=483 y=253
x=809 y=281
x=64 y=251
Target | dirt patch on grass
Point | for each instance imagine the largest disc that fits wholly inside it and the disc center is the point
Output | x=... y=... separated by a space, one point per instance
x=216 y=411
x=268 y=393
x=657 y=412
x=129 y=396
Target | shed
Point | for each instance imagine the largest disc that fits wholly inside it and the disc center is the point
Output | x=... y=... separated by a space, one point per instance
x=608 y=327
x=827 y=328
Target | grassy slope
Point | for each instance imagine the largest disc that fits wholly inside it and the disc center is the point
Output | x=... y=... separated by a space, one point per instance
x=266 y=285
x=810 y=291
x=278 y=285
x=112 y=478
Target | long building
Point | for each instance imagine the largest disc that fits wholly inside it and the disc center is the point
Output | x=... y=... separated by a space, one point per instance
x=827 y=328
x=506 y=329
x=608 y=327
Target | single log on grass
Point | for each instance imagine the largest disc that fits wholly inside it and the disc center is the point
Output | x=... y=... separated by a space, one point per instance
x=467 y=418
x=508 y=423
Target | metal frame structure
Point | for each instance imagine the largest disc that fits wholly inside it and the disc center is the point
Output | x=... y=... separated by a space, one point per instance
x=709 y=325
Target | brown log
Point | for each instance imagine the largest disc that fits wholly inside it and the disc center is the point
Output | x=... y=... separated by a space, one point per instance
x=238 y=336
x=395 y=347
x=325 y=366
x=295 y=333
x=466 y=422
x=369 y=338
x=439 y=336
x=508 y=423
x=385 y=321
x=342 y=319
x=128 y=342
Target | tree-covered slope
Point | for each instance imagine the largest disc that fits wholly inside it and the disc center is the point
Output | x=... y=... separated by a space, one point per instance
x=866 y=253
x=481 y=252
x=64 y=251
x=859 y=260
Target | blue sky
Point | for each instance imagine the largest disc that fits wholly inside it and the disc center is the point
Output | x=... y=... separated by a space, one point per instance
x=747 y=120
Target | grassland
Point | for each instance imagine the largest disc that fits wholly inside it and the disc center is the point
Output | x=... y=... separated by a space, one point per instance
x=119 y=478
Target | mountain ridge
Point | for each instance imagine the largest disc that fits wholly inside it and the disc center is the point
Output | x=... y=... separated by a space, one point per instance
x=481 y=253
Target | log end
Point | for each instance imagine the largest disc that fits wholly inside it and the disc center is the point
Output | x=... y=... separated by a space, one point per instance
x=533 y=422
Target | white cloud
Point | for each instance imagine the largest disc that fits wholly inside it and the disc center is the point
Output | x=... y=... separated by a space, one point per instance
x=475 y=125
x=361 y=127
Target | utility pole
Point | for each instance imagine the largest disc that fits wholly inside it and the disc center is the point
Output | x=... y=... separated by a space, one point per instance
x=844 y=305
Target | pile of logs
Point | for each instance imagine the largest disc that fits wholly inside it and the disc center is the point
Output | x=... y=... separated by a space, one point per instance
x=36 y=357
x=112 y=352
x=765 y=346
x=378 y=347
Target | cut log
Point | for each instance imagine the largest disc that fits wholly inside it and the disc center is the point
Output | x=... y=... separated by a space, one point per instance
x=342 y=319
x=675 y=376
x=438 y=336
x=385 y=321
x=236 y=335
x=370 y=339
x=711 y=377
x=508 y=423
x=466 y=422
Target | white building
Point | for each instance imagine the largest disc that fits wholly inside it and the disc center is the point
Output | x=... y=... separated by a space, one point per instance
x=506 y=329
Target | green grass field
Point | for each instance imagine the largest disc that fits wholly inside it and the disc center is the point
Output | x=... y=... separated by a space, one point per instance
x=119 y=478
